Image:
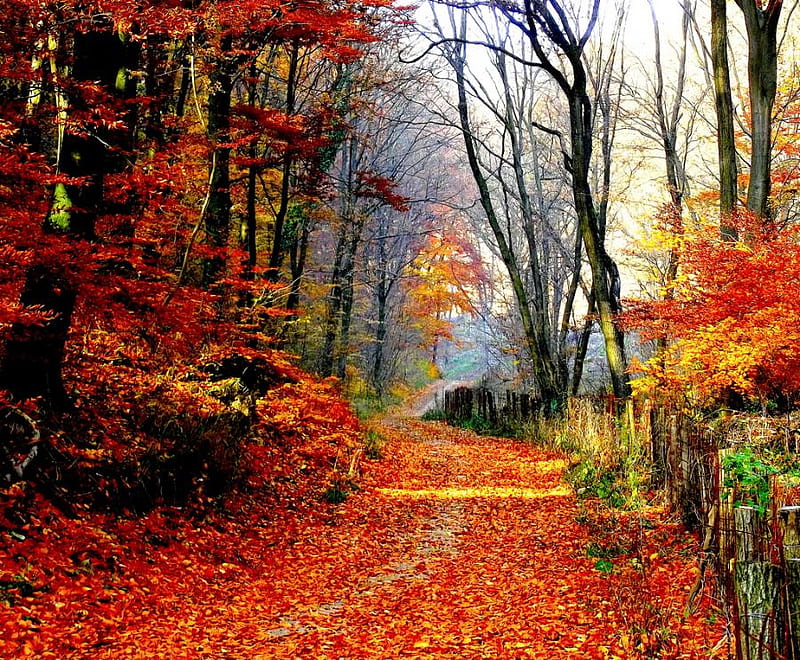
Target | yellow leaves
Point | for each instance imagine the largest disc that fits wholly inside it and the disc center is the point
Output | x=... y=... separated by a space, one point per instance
x=730 y=316
x=485 y=491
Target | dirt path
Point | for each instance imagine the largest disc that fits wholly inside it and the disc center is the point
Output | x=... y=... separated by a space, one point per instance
x=455 y=546
x=461 y=547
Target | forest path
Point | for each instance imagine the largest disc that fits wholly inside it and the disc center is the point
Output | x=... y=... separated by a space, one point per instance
x=454 y=546
x=458 y=546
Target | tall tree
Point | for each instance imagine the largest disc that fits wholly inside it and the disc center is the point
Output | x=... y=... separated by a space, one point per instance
x=761 y=22
x=663 y=113
x=556 y=41
x=33 y=353
x=218 y=213
x=726 y=146
x=545 y=372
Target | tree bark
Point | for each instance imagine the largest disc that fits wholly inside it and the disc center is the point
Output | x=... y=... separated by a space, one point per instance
x=790 y=526
x=726 y=145
x=33 y=354
x=218 y=212
x=333 y=312
x=348 y=296
x=549 y=368
x=762 y=73
x=298 y=251
x=277 y=252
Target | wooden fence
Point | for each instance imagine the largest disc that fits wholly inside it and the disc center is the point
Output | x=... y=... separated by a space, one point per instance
x=753 y=548
x=751 y=541
x=464 y=403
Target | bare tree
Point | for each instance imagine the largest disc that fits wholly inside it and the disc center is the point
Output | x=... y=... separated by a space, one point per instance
x=508 y=165
x=559 y=44
x=385 y=178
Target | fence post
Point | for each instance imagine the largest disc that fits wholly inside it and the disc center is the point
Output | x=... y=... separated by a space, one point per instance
x=790 y=526
x=726 y=536
x=757 y=584
x=660 y=444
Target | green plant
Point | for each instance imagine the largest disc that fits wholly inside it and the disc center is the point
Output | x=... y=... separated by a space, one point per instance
x=373 y=445
x=434 y=415
x=336 y=493
x=483 y=426
x=604 y=566
x=368 y=405
x=589 y=480
x=748 y=474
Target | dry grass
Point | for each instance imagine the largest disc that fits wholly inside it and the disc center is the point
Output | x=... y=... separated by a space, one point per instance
x=607 y=455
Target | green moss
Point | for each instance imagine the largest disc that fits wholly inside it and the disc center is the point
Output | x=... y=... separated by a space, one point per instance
x=59 y=217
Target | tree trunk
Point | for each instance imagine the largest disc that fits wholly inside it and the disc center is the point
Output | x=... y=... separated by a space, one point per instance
x=605 y=277
x=381 y=301
x=547 y=370
x=298 y=251
x=757 y=585
x=582 y=346
x=549 y=19
x=348 y=295
x=218 y=213
x=544 y=373
x=726 y=146
x=333 y=312
x=33 y=355
x=790 y=526
x=252 y=181
x=277 y=252
x=762 y=73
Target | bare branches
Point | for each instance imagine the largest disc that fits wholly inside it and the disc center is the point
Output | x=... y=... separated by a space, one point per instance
x=469 y=42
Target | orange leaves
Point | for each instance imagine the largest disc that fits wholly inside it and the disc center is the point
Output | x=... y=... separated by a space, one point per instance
x=492 y=573
x=443 y=280
x=732 y=315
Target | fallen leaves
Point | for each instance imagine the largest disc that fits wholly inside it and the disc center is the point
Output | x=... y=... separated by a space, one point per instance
x=453 y=547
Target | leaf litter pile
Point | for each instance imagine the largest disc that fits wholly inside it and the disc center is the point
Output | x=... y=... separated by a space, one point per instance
x=452 y=546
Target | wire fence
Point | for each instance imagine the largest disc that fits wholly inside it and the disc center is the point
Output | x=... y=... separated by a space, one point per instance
x=716 y=476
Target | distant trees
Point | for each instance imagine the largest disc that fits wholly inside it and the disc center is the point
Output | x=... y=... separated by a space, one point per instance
x=511 y=162
x=388 y=179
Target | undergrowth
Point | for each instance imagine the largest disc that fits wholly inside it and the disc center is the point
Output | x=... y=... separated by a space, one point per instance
x=483 y=426
x=434 y=415
x=607 y=459
x=373 y=444
x=476 y=423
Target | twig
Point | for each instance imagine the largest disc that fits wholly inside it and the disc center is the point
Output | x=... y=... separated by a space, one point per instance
x=195 y=232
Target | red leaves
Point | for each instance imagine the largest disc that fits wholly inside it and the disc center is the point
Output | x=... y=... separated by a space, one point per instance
x=731 y=314
x=379 y=187
x=400 y=569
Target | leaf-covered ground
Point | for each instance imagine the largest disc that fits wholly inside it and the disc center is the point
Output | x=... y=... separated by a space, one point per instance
x=454 y=546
